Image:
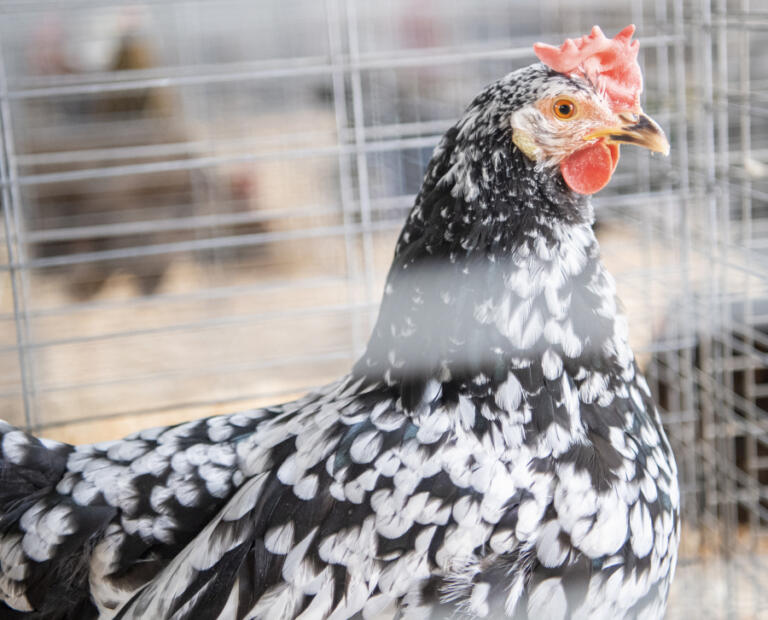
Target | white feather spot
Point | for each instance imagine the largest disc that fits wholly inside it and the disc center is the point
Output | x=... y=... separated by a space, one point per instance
x=15 y=446
x=163 y=528
x=29 y=519
x=85 y=493
x=641 y=528
x=152 y=463
x=548 y=600
x=549 y=548
x=648 y=488
x=466 y=511
x=222 y=454
x=478 y=600
x=55 y=524
x=387 y=464
x=216 y=479
x=245 y=499
x=198 y=454
x=609 y=531
x=306 y=488
x=380 y=606
x=187 y=493
x=219 y=432
x=36 y=547
x=508 y=395
x=551 y=364
x=291 y=470
x=529 y=515
x=294 y=569
x=180 y=464
x=279 y=540
x=366 y=447
x=393 y=525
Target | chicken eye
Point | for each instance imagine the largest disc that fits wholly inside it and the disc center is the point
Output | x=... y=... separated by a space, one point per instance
x=564 y=108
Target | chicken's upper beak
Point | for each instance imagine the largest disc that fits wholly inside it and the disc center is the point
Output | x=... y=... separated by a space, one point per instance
x=636 y=129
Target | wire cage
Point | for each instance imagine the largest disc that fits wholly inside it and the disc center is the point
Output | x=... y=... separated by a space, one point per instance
x=200 y=202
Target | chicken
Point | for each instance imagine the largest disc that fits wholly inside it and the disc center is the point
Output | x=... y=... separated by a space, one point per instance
x=494 y=453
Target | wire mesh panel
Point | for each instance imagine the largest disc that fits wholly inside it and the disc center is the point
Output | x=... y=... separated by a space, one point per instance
x=720 y=428
x=200 y=202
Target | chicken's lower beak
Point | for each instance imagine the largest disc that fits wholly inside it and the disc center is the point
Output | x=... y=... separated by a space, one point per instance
x=641 y=131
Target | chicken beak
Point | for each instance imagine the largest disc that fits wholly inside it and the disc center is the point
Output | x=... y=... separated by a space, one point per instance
x=639 y=129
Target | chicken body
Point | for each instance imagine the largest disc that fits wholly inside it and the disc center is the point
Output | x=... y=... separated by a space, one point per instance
x=495 y=452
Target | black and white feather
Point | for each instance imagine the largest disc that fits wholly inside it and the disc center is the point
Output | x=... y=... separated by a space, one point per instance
x=494 y=453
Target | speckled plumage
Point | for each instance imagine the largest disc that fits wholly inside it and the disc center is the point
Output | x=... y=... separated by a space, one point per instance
x=494 y=453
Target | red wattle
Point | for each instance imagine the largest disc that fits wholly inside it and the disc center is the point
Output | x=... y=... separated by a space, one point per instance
x=588 y=170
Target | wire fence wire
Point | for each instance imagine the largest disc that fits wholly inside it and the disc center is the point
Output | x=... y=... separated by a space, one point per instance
x=200 y=201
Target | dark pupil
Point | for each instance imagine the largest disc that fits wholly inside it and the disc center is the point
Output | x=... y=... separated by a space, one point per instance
x=564 y=109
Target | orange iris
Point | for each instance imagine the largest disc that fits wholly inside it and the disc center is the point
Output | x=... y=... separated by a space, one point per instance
x=564 y=108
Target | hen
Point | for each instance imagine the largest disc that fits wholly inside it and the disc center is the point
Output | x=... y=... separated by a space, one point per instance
x=494 y=453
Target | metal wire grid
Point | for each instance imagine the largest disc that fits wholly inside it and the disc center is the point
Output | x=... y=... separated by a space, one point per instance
x=373 y=131
x=714 y=385
x=258 y=319
x=729 y=123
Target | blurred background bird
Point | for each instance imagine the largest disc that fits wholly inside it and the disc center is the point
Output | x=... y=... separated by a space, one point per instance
x=131 y=122
x=494 y=452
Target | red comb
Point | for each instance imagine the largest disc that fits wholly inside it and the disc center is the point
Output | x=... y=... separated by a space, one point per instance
x=609 y=64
